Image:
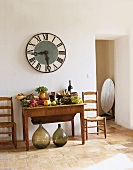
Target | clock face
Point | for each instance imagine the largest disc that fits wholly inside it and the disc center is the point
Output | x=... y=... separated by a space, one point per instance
x=45 y=52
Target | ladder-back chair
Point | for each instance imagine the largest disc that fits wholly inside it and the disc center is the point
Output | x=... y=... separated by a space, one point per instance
x=92 y=106
x=7 y=124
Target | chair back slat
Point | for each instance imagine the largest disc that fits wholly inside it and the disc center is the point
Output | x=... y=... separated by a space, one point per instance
x=5 y=115
x=6 y=109
x=90 y=98
x=90 y=109
x=90 y=101
x=5 y=98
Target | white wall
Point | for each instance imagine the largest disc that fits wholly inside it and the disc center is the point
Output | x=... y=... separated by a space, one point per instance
x=122 y=82
x=77 y=23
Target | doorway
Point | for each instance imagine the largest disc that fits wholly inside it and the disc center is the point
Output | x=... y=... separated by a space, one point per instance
x=104 y=66
x=113 y=60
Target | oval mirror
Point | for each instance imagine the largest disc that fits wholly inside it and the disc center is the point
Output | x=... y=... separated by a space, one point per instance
x=107 y=95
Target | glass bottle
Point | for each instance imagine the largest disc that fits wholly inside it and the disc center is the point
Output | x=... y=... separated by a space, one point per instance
x=70 y=86
x=59 y=137
x=41 y=138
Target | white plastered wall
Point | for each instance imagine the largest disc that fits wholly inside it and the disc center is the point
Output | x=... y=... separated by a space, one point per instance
x=122 y=82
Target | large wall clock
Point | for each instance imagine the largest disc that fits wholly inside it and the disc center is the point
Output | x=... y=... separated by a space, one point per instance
x=45 y=52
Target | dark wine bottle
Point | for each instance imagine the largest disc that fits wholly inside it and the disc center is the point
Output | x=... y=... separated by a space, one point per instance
x=70 y=86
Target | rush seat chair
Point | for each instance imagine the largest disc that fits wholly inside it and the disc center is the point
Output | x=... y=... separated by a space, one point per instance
x=7 y=124
x=92 y=114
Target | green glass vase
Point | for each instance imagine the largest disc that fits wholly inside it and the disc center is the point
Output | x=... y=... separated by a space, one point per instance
x=60 y=137
x=41 y=138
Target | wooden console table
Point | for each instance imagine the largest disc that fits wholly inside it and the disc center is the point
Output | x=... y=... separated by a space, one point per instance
x=51 y=114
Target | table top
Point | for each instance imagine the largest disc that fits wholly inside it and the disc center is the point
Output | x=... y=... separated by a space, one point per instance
x=57 y=106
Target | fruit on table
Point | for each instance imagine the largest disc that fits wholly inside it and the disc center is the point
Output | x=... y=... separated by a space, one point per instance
x=41 y=102
x=33 y=103
x=20 y=96
x=25 y=103
x=63 y=93
x=66 y=100
x=47 y=102
x=76 y=99
x=53 y=103
x=30 y=97
x=58 y=94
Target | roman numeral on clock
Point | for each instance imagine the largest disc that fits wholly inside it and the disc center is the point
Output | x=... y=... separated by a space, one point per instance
x=31 y=52
x=55 y=67
x=45 y=36
x=62 y=52
x=38 y=66
x=53 y=39
x=58 y=45
x=32 y=60
x=60 y=60
x=31 y=44
x=38 y=38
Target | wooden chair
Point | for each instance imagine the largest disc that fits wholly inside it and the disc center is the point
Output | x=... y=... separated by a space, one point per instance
x=91 y=101
x=7 y=124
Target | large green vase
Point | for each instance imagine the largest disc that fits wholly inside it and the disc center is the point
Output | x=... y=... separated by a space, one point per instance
x=41 y=138
x=59 y=137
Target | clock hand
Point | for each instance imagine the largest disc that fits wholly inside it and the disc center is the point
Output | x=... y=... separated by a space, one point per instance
x=36 y=53
x=47 y=59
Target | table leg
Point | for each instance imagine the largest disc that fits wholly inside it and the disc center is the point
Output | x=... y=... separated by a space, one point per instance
x=72 y=123
x=82 y=126
x=23 y=127
x=26 y=132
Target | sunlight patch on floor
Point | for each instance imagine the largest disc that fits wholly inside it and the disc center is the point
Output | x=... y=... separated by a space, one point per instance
x=118 y=162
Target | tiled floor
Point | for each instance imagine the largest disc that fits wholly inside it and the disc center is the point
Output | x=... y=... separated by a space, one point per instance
x=115 y=152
